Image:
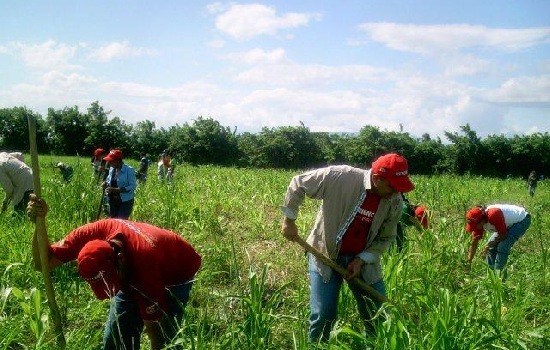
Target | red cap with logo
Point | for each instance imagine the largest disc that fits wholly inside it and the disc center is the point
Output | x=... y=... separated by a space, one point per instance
x=96 y=265
x=474 y=216
x=422 y=216
x=394 y=169
x=115 y=154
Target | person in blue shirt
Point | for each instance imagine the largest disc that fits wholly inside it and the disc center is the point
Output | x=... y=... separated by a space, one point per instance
x=119 y=186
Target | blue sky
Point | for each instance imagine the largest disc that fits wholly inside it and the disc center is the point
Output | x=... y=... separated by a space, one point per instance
x=333 y=65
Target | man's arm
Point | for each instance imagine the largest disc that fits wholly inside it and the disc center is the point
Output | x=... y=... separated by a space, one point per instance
x=471 y=253
x=311 y=184
x=496 y=217
x=493 y=243
x=289 y=229
x=53 y=262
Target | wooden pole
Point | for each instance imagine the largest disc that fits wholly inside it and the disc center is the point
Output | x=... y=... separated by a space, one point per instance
x=357 y=281
x=42 y=238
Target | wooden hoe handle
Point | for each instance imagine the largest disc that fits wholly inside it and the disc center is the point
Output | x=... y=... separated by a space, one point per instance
x=357 y=281
x=42 y=238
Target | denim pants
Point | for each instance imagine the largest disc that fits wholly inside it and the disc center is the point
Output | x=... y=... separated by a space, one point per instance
x=498 y=255
x=324 y=300
x=124 y=325
x=122 y=210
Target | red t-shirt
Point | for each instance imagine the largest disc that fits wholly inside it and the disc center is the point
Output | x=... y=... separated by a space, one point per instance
x=355 y=238
x=157 y=258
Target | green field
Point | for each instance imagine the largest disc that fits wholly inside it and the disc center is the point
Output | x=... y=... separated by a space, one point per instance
x=252 y=290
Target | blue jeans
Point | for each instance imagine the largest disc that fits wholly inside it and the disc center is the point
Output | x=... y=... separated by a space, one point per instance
x=122 y=210
x=498 y=255
x=124 y=325
x=324 y=300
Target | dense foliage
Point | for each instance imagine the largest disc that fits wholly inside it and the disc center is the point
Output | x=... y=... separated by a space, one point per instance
x=206 y=141
x=252 y=290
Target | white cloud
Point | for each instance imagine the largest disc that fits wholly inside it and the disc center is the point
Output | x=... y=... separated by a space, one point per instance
x=216 y=44
x=62 y=81
x=258 y=56
x=4 y=49
x=45 y=56
x=295 y=74
x=522 y=90
x=118 y=50
x=53 y=89
x=187 y=91
x=457 y=65
x=244 y=22
x=450 y=38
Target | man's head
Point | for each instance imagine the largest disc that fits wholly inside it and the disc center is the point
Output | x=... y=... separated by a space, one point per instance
x=390 y=174
x=114 y=157
x=97 y=265
x=475 y=218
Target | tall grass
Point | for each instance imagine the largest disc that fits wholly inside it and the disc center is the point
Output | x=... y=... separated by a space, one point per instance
x=232 y=217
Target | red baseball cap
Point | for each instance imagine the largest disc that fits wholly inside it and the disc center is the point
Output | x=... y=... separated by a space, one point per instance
x=97 y=266
x=474 y=216
x=115 y=154
x=99 y=151
x=394 y=169
x=421 y=215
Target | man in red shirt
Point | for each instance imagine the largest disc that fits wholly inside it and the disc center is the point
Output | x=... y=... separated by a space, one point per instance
x=147 y=271
x=508 y=224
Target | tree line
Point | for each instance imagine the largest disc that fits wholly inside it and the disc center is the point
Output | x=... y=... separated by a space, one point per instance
x=205 y=141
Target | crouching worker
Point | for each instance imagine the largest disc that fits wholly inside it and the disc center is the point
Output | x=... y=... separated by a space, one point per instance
x=507 y=222
x=411 y=215
x=146 y=271
x=66 y=171
x=355 y=225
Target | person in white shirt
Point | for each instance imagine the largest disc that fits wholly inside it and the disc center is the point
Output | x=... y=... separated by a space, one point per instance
x=16 y=181
x=508 y=224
